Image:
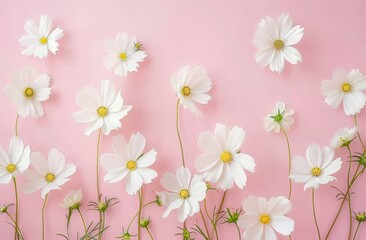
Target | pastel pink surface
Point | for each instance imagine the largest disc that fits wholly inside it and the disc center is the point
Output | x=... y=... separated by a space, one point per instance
x=213 y=34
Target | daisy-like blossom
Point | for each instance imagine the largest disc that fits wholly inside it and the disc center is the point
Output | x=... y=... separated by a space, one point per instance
x=275 y=40
x=184 y=193
x=280 y=117
x=104 y=110
x=17 y=159
x=124 y=54
x=191 y=85
x=41 y=38
x=27 y=91
x=343 y=137
x=262 y=218
x=317 y=168
x=72 y=199
x=129 y=161
x=347 y=88
x=48 y=174
x=223 y=162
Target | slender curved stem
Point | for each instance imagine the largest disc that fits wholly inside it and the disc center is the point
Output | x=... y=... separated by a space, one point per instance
x=314 y=214
x=16 y=234
x=237 y=228
x=205 y=224
x=139 y=215
x=16 y=125
x=43 y=213
x=358 y=226
x=179 y=138
x=98 y=187
x=84 y=225
x=148 y=231
x=358 y=133
x=133 y=219
x=215 y=218
x=206 y=211
x=289 y=162
x=12 y=219
x=349 y=194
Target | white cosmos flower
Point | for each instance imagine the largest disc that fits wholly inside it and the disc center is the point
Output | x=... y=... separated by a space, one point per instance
x=280 y=117
x=191 y=85
x=17 y=159
x=104 y=110
x=27 y=91
x=317 y=168
x=72 y=199
x=48 y=174
x=129 y=161
x=347 y=88
x=184 y=193
x=262 y=218
x=343 y=137
x=124 y=54
x=222 y=162
x=274 y=40
x=41 y=38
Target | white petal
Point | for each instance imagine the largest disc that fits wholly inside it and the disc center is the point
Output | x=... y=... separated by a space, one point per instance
x=206 y=161
x=198 y=189
x=112 y=162
x=255 y=233
x=49 y=187
x=67 y=171
x=208 y=143
x=248 y=220
x=238 y=174
x=333 y=167
x=147 y=174
x=147 y=159
x=133 y=183
x=183 y=211
x=292 y=55
x=56 y=161
x=194 y=206
x=245 y=161
x=94 y=126
x=221 y=132
x=174 y=205
x=136 y=145
x=39 y=163
x=183 y=177
x=170 y=183
x=282 y=224
x=235 y=139
x=294 y=35
x=116 y=176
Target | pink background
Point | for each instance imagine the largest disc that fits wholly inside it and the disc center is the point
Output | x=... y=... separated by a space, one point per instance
x=214 y=34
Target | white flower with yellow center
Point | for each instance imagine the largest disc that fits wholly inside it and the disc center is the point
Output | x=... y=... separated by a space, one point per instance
x=72 y=199
x=17 y=159
x=317 y=168
x=344 y=137
x=347 y=88
x=281 y=117
x=48 y=174
x=125 y=54
x=104 y=110
x=262 y=218
x=41 y=38
x=184 y=193
x=223 y=163
x=191 y=85
x=27 y=91
x=129 y=161
x=274 y=40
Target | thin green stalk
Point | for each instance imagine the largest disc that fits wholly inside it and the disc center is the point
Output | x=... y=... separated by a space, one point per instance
x=358 y=133
x=134 y=217
x=148 y=231
x=314 y=214
x=12 y=219
x=205 y=224
x=84 y=225
x=179 y=138
x=16 y=126
x=358 y=226
x=43 y=212
x=237 y=228
x=16 y=234
x=349 y=195
x=100 y=233
x=139 y=214
x=215 y=218
x=289 y=162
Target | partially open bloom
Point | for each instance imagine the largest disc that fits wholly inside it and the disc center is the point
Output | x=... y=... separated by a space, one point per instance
x=343 y=137
x=347 y=88
x=27 y=91
x=281 y=117
x=274 y=40
x=191 y=85
x=317 y=168
x=125 y=54
x=48 y=174
x=129 y=161
x=222 y=162
x=262 y=218
x=72 y=199
x=17 y=159
x=41 y=38
x=104 y=110
x=184 y=193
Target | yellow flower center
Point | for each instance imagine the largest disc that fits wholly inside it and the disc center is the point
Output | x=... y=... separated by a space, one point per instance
x=278 y=44
x=226 y=157
x=50 y=177
x=123 y=56
x=43 y=40
x=11 y=168
x=29 y=92
x=316 y=171
x=346 y=87
x=186 y=91
x=131 y=165
x=184 y=193
x=264 y=218
x=102 y=111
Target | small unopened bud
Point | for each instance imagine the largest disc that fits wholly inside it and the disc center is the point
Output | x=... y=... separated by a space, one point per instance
x=102 y=206
x=361 y=217
x=158 y=201
x=144 y=223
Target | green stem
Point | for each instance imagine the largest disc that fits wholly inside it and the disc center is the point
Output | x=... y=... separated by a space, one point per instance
x=237 y=228
x=134 y=217
x=215 y=218
x=349 y=195
x=148 y=231
x=179 y=138
x=100 y=232
x=84 y=225
x=16 y=234
x=206 y=211
x=358 y=226
x=43 y=213
x=139 y=214
x=12 y=219
x=358 y=133
x=16 y=125
x=314 y=214
x=289 y=162
x=204 y=223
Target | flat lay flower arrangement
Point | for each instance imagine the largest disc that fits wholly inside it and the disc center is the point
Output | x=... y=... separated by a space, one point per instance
x=195 y=194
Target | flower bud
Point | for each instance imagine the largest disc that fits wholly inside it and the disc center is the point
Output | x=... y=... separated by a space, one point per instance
x=144 y=223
